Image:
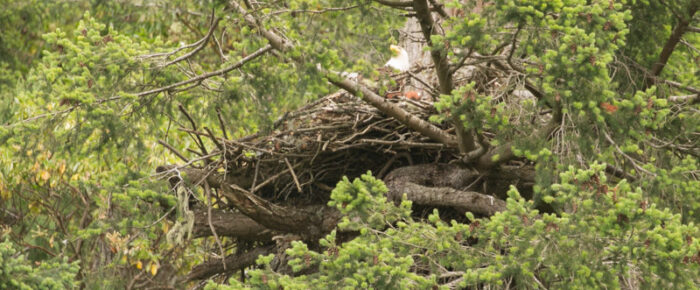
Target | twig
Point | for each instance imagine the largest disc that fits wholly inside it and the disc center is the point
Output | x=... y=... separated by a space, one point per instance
x=213 y=139
x=634 y=163
x=294 y=175
x=198 y=78
x=221 y=122
x=512 y=45
x=37 y=117
x=404 y=143
x=683 y=99
x=211 y=225
x=433 y=91
x=219 y=49
x=172 y=149
x=681 y=86
x=194 y=127
x=461 y=61
x=261 y=185
x=202 y=43
x=255 y=176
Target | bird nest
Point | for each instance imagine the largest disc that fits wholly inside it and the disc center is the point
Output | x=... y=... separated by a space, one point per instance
x=314 y=147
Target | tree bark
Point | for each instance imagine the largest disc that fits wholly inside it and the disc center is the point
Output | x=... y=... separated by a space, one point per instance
x=229 y=224
x=233 y=262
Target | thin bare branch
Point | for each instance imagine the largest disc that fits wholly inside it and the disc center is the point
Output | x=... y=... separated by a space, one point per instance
x=202 y=43
x=211 y=225
x=294 y=175
x=194 y=127
x=687 y=98
x=204 y=76
x=172 y=149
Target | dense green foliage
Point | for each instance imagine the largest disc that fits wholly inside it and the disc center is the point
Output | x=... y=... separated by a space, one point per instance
x=17 y=272
x=79 y=205
x=609 y=236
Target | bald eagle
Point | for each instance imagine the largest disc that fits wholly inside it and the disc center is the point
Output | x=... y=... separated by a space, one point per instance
x=399 y=60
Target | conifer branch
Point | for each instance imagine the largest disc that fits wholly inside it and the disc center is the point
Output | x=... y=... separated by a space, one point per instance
x=357 y=89
x=202 y=43
x=204 y=76
x=670 y=45
x=465 y=137
x=503 y=153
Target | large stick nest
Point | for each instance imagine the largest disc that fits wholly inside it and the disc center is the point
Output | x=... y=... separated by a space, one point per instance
x=311 y=149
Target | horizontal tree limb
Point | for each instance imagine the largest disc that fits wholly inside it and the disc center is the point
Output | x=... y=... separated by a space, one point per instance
x=687 y=98
x=471 y=201
x=440 y=185
x=310 y=222
x=229 y=224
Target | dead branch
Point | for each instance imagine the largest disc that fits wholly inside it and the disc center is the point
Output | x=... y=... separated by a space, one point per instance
x=233 y=262
x=444 y=181
x=173 y=150
x=229 y=224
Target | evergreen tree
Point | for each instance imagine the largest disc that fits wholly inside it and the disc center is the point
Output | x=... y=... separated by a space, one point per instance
x=532 y=144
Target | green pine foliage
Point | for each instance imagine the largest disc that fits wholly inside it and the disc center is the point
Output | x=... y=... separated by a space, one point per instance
x=16 y=272
x=605 y=234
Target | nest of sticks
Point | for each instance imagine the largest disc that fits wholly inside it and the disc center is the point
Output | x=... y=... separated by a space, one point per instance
x=311 y=149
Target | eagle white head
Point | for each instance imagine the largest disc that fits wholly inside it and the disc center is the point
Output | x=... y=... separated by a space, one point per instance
x=399 y=60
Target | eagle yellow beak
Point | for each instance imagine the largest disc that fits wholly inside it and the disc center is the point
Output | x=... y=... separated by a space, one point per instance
x=395 y=50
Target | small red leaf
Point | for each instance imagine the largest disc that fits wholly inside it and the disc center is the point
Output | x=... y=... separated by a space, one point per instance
x=610 y=108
